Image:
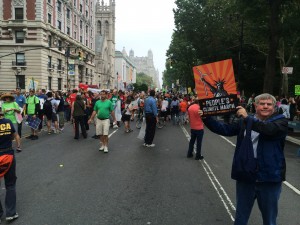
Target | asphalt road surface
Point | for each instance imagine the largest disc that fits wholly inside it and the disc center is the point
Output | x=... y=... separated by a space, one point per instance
x=62 y=181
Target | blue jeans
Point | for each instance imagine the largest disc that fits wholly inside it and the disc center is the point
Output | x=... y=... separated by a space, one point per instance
x=267 y=195
x=10 y=185
x=196 y=134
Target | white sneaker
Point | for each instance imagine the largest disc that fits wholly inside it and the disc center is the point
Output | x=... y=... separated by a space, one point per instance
x=150 y=146
x=101 y=148
x=105 y=149
x=11 y=218
x=144 y=144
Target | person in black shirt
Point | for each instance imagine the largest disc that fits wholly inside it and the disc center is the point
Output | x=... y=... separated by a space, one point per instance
x=8 y=166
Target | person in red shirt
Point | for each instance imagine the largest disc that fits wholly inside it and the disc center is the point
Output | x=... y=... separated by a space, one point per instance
x=197 y=130
x=72 y=96
x=182 y=111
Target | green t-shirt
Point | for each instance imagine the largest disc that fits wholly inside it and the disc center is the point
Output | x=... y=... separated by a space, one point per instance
x=31 y=101
x=11 y=114
x=103 y=109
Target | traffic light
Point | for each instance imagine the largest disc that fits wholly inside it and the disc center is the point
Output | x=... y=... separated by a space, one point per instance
x=80 y=56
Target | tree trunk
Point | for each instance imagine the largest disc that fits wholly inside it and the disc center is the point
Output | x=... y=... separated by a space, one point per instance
x=273 y=46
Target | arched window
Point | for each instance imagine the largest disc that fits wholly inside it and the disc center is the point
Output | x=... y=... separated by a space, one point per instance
x=99 y=27
x=106 y=27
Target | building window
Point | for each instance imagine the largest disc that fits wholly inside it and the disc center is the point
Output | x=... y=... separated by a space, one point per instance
x=20 y=81
x=75 y=35
x=59 y=83
x=49 y=41
x=74 y=3
x=91 y=45
x=86 y=30
x=80 y=24
x=49 y=1
x=59 y=45
x=59 y=67
x=75 y=19
x=80 y=8
x=106 y=27
x=81 y=39
x=59 y=6
x=99 y=27
x=59 y=24
x=68 y=30
x=20 y=36
x=19 y=14
x=86 y=43
x=49 y=18
x=68 y=13
x=20 y=59
x=86 y=71
x=86 y=14
x=49 y=61
x=49 y=83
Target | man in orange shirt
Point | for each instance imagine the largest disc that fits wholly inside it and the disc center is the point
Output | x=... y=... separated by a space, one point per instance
x=197 y=131
x=182 y=111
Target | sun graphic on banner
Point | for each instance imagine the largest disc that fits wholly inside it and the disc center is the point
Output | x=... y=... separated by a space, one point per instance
x=215 y=79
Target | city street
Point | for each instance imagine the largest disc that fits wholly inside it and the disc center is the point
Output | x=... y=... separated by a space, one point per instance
x=62 y=181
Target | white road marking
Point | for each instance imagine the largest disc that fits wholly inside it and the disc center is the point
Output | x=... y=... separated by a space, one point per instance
x=214 y=181
x=292 y=187
x=112 y=133
x=297 y=191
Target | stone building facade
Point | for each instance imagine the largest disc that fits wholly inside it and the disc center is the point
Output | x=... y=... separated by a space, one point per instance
x=125 y=71
x=146 y=65
x=105 y=44
x=50 y=43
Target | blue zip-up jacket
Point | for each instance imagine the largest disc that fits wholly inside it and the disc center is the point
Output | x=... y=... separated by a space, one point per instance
x=271 y=166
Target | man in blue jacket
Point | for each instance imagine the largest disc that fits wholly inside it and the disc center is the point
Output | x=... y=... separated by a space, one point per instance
x=268 y=135
x=150 y=109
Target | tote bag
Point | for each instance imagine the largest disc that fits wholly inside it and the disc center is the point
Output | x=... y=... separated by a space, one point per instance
x=244 y=167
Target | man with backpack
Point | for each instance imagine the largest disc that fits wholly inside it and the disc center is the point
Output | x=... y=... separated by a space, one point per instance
x=8 y=166
x=32 y=111
x=50 y=111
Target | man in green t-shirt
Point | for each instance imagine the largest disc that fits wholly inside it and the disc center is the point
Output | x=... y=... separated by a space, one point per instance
x=9 y=108
x=103 y=109
x=32 y=109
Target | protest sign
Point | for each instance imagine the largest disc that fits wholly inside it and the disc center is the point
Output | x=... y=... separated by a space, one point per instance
x=216 y=87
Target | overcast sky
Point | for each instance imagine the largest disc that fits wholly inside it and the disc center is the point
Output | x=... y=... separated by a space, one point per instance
x=145 y=24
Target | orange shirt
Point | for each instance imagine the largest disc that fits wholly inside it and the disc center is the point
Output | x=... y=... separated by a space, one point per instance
x=183 y=106
x=196 y=122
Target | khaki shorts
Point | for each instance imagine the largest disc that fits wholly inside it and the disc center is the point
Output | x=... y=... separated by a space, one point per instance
x=102 y=127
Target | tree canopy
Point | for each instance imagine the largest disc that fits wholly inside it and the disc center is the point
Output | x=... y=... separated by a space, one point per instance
x=261 y=37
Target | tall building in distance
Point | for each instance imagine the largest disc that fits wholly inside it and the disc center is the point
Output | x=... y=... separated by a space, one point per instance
x=125 y=71
x=105 y=44
x=52 y=44
x=146 y=65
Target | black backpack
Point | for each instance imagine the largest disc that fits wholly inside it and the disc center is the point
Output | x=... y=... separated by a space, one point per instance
x=47 y=108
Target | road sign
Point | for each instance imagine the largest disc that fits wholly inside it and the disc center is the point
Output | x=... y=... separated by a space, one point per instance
x=297 y=89
x=287 y=70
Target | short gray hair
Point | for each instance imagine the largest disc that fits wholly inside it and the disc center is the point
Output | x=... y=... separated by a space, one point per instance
x=265 y=96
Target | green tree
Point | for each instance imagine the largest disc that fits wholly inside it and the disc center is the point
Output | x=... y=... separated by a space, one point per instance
x=142 y=78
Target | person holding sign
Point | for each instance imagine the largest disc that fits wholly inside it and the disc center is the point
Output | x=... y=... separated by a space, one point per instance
x=258 y=164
